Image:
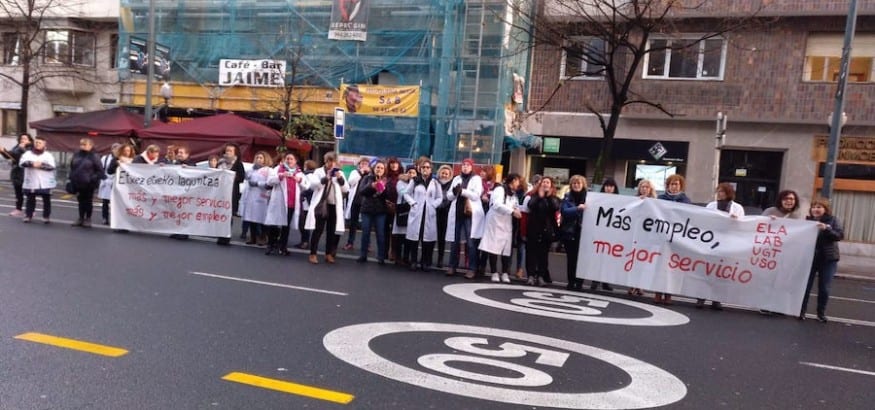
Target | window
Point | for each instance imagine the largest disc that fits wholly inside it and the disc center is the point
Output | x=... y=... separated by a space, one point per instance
x=685 y=58
x=67 y=47
x=9 y=122
x=10 y=48
x=823 y=58
x=585 y=58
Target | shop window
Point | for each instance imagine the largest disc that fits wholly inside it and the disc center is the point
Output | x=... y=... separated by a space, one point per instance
x=685 y=58
x=823 y=58
x=586 y=58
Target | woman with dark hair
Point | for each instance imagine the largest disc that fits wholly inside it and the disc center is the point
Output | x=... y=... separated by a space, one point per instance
x=724 y=201
x=256 y=199
x=422 y=222
x=283 y=209
x=405 y=201
x=541 y=231
x=609 y=186
x=465 y=224
x=786 y=206
x=498 y=229
x=373 y=211
x=25 y=142
x=826 y=255
x=393 y=171
x=231 y=161
x=326 y=207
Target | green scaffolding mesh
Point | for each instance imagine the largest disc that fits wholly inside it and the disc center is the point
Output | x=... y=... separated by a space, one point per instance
x=461 y=53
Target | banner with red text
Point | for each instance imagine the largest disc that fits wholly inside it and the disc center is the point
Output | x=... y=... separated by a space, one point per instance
x=689 y=250
x=172 y=199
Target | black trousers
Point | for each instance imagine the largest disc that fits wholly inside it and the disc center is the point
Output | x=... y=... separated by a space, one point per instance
x=19 y=195
x=85 y=198
x=572 y=248
x=442 y=220
x=302 y=219
x=537 y=253
x=328 y=225
x=31 y=204
x=104 y=209
x=353 y=224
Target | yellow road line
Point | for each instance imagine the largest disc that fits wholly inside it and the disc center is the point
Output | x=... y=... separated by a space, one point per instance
x=288 y=387
x=73 y=344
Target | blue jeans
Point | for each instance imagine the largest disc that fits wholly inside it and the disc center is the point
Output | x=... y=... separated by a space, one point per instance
x=378 y=222
x=825 y=271
x=463 y=234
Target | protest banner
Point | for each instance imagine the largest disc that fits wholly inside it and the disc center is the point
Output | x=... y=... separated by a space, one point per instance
x=172 y=199
x=688 y=250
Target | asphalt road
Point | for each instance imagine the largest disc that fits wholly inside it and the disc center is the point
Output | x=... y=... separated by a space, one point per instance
x=189 y=313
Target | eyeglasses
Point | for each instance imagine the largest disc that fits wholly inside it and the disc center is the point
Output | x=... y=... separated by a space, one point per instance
x=426 y=167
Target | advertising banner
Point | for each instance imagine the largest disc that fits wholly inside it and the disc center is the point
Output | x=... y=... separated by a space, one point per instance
x=140 y=59
x=172 y=199
x=252 y=73
x=349 y=20
x=689 y=250
x=398 y=101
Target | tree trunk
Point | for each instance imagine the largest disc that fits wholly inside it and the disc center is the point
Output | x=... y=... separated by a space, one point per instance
x=606 y=153
x=25 y=94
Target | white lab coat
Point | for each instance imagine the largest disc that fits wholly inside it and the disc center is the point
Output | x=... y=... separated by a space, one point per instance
x=37 y=178
x=403 y=196
x=498 y=229
x=277 y=207
x=426 y=200
x=254 y=203
x=473 y=192
x=318 y=190
x=735 y=209
x=353 y=182
x=104 y=191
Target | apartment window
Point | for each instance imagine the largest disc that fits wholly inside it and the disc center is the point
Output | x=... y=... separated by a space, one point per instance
x=10 y=44
x=823 y=58
x=9 y=122
x=685 y=58
x=68 y=47
x=585 y=59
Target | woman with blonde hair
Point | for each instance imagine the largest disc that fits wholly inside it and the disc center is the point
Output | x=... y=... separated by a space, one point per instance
x=257 y=196
x=444 y=179
x=645 y=189
x=674 y=191
x=573 y=205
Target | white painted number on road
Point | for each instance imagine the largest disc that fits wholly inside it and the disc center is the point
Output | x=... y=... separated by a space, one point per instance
x=648 y=386
x=562 y=304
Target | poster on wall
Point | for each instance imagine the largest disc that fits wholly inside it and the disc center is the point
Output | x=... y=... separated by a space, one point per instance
x=349 y=20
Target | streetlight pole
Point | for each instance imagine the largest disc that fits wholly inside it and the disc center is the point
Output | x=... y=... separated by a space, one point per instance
x=150 y=70
x=720 y=135
x=835 y=127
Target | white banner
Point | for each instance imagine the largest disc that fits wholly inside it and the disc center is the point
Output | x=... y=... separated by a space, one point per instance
x=689 y=250
x=252 y=73
x=172 y=199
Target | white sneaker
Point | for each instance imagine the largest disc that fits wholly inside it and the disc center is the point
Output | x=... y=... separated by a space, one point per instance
x=505 y=278
x=496 y=278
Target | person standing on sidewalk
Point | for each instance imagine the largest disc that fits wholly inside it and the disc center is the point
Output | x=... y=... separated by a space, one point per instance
x=326 y=209
x=39 y=179
x=354 y=202
x=826 y=255
x=569 y=231
x=609 y=186
x=725 y=202
x=465 y=218
x=498 y=237
x=25 y=142
x=444 y=178
x=541 y=231
x=674 y=191
x=86 y=172
x=109 y=162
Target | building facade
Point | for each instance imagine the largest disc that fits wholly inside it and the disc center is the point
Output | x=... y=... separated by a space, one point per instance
x=775 y=79
x=70 y=66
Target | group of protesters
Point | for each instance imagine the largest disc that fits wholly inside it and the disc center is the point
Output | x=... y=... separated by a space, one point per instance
x=412 y=210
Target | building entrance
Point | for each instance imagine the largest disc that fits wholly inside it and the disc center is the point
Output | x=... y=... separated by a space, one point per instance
x=756 y=175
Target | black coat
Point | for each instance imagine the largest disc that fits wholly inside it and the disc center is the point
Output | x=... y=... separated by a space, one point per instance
x=827 y=247
x=373 y=202
x=17 y=172
x=86 y=171
x=541 y=221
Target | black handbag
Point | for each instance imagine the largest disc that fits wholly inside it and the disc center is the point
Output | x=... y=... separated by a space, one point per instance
x=69 y=187
x=402 y=212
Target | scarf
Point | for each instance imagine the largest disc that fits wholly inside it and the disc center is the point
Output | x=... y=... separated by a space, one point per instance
x=724 y=204
x=38 y=151
x=577 y=197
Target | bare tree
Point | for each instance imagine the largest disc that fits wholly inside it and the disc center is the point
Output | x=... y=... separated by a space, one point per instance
x=25 y=42
x=611 y=38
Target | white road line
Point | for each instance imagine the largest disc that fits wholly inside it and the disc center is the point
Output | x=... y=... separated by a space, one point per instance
x=842 y=369
x=847 y=299
x=279 y=285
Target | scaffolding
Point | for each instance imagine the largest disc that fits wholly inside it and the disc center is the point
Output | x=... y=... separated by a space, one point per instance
x=461 y=53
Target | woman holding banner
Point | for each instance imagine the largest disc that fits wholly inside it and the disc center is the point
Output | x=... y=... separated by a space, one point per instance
x=231 y=161
x=644 y=190
x=609 y=186
x=725 y=202
x=674 y=191
x=572 y=212
x=787 y=206
x=826 y=255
